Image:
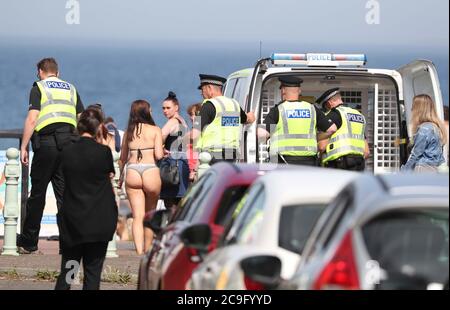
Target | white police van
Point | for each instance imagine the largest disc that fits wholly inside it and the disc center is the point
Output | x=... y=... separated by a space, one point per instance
x=384 y=97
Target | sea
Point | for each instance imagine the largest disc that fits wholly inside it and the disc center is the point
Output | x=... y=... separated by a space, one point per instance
x=116 y=75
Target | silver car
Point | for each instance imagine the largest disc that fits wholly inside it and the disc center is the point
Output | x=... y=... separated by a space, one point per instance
x=277 y=216
x=381 y=232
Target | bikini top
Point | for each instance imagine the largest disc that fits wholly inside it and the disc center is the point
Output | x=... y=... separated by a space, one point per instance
x=139 y=152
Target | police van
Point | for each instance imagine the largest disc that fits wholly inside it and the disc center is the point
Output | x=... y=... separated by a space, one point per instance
x=383 y=96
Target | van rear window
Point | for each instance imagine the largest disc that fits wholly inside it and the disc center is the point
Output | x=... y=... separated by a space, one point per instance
x=411 y=243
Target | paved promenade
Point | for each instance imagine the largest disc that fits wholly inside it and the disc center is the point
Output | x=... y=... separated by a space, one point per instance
x=38 y=271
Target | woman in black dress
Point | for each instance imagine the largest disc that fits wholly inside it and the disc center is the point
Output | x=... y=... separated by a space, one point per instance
x=87 y=220
x=172 y=134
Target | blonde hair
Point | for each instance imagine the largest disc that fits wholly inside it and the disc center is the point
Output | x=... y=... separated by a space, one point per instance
x=424 y=110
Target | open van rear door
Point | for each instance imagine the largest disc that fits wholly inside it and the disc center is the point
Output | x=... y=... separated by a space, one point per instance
x=420 y=77
x=251 y=145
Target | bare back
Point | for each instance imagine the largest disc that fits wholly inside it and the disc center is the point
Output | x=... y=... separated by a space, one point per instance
x=146 y=148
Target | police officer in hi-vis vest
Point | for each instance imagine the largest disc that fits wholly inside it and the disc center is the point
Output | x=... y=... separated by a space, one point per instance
x=347 y=148
x=293 y=125
x=217 y=128
x=50 y=125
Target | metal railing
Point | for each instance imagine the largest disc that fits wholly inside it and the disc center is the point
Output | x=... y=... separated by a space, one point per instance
x=17 y=134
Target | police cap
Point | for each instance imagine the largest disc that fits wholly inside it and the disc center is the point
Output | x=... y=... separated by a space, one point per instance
x=327 y=96
x=206 y=79
x=290 y=81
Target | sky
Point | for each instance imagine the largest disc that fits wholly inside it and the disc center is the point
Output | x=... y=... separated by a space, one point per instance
x=186 y=23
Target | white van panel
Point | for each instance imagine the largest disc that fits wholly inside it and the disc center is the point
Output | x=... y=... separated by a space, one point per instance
x=420 y=77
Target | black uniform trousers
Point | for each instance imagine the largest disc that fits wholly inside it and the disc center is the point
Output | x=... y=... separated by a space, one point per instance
x=348 y=162
x=228 y=155
x=93 y=256
x=298 y=160
x=45 y=168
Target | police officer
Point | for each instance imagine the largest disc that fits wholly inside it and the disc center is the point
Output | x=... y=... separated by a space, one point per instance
x=50 y=124
x=292 y=126
x=347 y=148
x=219 y=121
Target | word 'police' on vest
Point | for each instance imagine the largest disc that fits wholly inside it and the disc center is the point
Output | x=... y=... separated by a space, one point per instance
x=230 y=121
x=59 y=85
x=298 y=113
x=355 y=118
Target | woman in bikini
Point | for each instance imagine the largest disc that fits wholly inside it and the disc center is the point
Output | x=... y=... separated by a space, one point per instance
x=141 y=148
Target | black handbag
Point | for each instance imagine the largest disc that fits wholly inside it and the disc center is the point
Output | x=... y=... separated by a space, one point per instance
x=169 y=173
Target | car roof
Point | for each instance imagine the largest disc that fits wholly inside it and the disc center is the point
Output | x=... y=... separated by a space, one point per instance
x=296 y=185
x=376 y=194
x=415 y=184
x=240 y=171
x=228 y=175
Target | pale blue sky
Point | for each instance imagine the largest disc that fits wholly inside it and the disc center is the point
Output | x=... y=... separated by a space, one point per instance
x=319 y=22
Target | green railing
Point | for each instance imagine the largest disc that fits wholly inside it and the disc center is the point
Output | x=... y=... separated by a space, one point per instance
x=17 y=134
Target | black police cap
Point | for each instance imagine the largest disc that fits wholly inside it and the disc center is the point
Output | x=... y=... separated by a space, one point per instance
x=327 y=96
x=206 y=79
x=290 y=81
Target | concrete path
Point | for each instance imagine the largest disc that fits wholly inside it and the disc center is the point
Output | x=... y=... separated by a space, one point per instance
x=38 y=271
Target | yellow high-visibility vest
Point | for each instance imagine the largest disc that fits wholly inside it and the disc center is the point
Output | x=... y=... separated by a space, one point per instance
x=224 y=132
x=58 y=103
x=349 y=138
x=295 y=134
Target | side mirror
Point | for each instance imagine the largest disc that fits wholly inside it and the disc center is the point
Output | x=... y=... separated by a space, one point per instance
x=156 y=221
x=197 y=239
x=261 y=272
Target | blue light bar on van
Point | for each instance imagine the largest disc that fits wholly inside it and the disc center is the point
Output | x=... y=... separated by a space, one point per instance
x=320 y=60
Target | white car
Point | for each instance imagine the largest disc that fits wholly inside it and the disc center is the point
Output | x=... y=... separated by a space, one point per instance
x=384 y=96
x=278 y=214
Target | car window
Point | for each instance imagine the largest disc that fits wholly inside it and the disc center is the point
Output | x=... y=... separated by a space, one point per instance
x=296 y=224
x=336 y=219
x=229 y=88
x=191 y=200
x=228 y=203
x=251 y=223
x=240 y=213
x=324 y=224
x=410 y=242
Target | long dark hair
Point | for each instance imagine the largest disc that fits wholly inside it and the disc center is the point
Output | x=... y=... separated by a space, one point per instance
x=89 y=122
x=139 y=114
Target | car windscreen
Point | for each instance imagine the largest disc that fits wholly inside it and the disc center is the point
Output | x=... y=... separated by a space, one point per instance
x=410 y=243
x=296 y=224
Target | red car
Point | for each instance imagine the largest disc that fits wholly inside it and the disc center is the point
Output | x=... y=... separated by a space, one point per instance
x=210 y=201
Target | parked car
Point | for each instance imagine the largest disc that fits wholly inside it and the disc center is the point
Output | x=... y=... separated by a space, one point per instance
x=383 y=96
x=279 y=212
x=385 y=232
x=209 y=203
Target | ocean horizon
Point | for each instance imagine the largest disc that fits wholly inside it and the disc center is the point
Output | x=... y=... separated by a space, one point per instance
x=117 y=75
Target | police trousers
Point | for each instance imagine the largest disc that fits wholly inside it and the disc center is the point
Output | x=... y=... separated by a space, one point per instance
x=298 y=160
x=349 y=162
x=45 y=168
x=228 y=155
